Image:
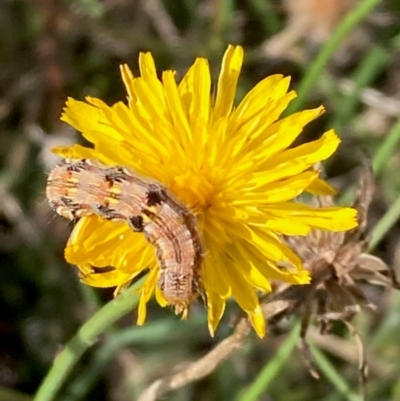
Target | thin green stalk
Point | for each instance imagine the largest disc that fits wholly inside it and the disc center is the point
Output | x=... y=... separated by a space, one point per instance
x=90 y=298
x=272 y=368
x=348 y=23
x=222 y=19
x=327 y=84
x=385 y=224
x=267 y=14
x=388 y=327
x=171 y=331
x=368 y=69
x=13 y=395
x=84 y=338
x=387 y=148
x=333 y=375
x=396 y=41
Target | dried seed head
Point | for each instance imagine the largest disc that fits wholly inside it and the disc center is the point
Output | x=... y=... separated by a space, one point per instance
x=344 y=254
x=339 y=296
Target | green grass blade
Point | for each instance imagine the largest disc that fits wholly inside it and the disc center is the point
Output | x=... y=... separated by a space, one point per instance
x=169 y=330
x=85 y=337
x=344 y=28
x=385 y=224
x=368 y=69
x=272 y=368
x=268 y=17
x=7 y=394
x=389 y=145
x=333 y=375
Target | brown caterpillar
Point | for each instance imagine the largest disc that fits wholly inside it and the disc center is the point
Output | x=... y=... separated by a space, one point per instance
x=77 y=188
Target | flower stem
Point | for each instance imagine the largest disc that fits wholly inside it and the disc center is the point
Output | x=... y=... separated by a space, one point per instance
x=84 y=338
x=348 y=23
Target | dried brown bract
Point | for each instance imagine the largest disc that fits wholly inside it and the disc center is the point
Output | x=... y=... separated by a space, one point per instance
x=339 y=296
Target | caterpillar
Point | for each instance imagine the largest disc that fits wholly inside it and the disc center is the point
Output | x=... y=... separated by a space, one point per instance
x=84 y=187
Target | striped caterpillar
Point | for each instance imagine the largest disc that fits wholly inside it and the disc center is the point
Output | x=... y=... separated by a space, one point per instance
x=77 y=188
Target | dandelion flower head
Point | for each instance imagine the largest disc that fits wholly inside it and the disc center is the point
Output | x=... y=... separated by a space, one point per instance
x=231 y=165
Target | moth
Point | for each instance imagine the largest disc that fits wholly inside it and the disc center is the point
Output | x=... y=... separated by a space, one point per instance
x=83 y=187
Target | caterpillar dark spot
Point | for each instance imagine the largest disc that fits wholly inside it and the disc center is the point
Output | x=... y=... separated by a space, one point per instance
x=155 y=197
x=99 y=270
x=83 y=187
x=136 y=223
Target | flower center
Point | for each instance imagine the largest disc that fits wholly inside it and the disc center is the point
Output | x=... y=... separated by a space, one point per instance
x=194 y=190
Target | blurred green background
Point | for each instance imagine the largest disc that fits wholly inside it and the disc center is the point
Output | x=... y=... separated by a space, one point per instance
x=51 y=49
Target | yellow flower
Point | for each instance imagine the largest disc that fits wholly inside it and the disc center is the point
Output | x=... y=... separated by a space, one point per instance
x=233 y=167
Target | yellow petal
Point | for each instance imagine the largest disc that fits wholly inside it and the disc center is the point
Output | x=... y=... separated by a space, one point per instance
x=271 y=270
x=280 y=135
x=114 y=278
x=215 y=309
x=77 y=152
x=160 y=298
x=304 y=156
x=177 y=111
x=328 y=218
x=194 y=91
x=228 y=77
x=321 y=188
x=249 y=271
x=213 y=271
x=147 y=291
x=279 y=191
x=127 y=78
x=242 y=291
x=258 y=321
